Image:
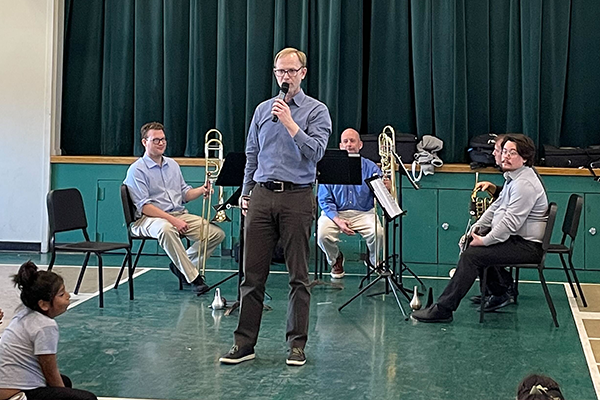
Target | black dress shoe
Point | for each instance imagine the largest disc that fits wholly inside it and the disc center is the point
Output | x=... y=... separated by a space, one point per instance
x=178 y=274
x=494 y=303
x=199 y=286
x=477 y=299
x=432 y=314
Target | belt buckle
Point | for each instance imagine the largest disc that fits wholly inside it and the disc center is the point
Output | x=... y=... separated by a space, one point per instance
x=281 y=187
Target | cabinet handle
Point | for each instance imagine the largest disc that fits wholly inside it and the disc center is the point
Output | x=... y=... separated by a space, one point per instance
x=445 y=226
x=592 y=231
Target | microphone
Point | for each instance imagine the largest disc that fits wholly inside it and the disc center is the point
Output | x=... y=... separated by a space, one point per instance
x=282 y=92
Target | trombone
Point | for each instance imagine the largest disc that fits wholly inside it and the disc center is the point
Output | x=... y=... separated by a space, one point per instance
x=387 y=148
x=213 y=161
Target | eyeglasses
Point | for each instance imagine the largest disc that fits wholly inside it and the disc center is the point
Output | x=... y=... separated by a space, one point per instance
x=291 y=72
x=158 y=140
x=511 y=152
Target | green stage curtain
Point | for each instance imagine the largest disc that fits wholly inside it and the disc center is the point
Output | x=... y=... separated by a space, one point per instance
x=450 y=68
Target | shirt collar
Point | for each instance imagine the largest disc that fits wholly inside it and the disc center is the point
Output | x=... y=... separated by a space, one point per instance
x=511 y=175
x=298 y=99
x=150 y=163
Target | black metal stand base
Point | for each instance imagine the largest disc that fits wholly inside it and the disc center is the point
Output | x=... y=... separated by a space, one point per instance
x=233 y=275
x=390 y=283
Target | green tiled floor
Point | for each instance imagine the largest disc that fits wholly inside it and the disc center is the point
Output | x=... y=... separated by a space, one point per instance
x=165 y=345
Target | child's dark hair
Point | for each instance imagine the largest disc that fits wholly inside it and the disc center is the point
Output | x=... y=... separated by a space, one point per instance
x=539 y=387
x=36 y=285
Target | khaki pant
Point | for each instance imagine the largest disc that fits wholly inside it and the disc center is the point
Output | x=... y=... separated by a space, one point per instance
x=187 y=261
x=361 y=222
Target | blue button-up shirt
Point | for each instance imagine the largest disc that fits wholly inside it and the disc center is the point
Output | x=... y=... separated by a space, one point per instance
x=335 y=198
x=160 y=185
x=273 y=155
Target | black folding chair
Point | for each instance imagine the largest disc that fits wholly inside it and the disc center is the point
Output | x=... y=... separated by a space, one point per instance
x=66 y=213
x=569 y=229
x=552 y=207
x=129 y=214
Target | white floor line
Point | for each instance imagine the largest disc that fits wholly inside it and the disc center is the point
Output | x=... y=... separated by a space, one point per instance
x=87 y=296
x=585 y=340
x=121 y=398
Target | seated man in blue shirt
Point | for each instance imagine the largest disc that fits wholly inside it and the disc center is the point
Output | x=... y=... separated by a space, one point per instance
x=349 y=209
x=159 y=192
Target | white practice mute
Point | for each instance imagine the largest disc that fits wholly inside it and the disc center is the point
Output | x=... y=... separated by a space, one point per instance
x=282 y=92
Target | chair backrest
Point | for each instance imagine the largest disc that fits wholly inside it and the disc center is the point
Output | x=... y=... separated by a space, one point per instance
x=573 y=215
x=65 y=211
x=128 y=207
x=552 y=208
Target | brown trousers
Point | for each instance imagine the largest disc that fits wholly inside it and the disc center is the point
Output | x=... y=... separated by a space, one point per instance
x=273 y=216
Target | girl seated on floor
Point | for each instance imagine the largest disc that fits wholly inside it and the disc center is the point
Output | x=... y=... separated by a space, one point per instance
x=29 y=343
x=538 y=387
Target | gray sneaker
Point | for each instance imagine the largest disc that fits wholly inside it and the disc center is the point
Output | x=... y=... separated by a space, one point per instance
x=237 y=355
x=297 y=357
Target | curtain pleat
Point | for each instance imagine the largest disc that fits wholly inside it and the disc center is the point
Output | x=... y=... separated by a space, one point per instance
x=450 y=68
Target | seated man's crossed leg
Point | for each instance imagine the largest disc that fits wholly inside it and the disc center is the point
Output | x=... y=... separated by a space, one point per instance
x=187 y=261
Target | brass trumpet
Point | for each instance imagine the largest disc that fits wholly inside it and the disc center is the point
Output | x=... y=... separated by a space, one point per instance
x=480 y=200
x=213 y=160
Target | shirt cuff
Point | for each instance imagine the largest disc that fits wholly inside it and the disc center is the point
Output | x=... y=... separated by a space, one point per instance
x=487 y=240
x=301 y=137
x=247 y=189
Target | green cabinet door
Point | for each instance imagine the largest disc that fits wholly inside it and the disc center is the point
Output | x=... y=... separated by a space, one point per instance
x=453 y=216
x=591 y=208
x=419 y=226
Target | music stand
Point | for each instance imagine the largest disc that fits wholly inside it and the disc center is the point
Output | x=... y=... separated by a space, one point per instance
x=337 y=167
x=391 y=211
x=398 y=223
x=232 y=174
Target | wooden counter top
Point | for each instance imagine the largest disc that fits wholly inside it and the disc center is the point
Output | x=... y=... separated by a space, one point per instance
x=199 y=162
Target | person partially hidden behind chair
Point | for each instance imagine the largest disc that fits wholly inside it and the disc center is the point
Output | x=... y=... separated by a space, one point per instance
x=349 y=209
x=510 y=231
x=159 y=193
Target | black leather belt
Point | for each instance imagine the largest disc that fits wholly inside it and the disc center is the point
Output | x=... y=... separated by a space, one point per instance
x=277 y=186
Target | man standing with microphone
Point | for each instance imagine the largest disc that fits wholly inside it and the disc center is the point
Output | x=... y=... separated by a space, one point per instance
x=287 y=137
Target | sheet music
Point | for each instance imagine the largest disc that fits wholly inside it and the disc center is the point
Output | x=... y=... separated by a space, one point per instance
x=385 y=198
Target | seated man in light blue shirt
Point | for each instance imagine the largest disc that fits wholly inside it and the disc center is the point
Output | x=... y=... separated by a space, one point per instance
x=349 y=209
x=514 y=223
x=159 y=193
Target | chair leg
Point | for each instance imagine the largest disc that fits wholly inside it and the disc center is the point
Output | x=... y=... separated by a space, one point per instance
x=130 y=269
x=137 y=257
x=548 y=298
x=52 y=259
x=82 y=272
x=100 y=281
x=139 y=253
x=577 y=280
x=517 y=270
x=483 y=284
x=564 y=264
x=120 y=275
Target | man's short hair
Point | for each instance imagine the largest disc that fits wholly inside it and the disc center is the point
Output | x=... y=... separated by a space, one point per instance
x=500 y=138
x=150 y=126
x=525 y=146
x=288 y=51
